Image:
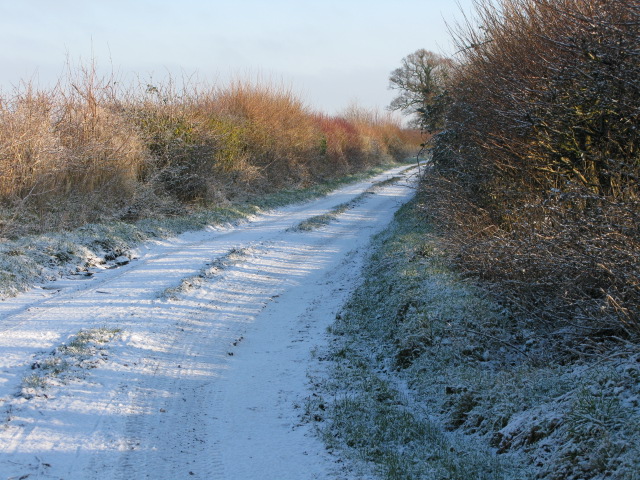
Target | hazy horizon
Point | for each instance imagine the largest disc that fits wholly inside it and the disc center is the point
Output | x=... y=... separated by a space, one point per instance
x=330 y=53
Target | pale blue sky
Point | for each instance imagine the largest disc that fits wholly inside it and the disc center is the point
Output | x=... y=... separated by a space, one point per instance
x=331 y=52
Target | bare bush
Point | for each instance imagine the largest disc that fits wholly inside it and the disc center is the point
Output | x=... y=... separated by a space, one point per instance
x=540 y=153
x=89 y=149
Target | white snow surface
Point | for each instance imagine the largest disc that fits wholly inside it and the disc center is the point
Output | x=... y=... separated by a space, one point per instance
x=207 y=383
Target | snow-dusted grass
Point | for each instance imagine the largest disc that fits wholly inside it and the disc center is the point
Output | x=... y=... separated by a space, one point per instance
x=206 y=273
x=319 y=221
x=81 y=352
x=33 y=259
x=431 y=378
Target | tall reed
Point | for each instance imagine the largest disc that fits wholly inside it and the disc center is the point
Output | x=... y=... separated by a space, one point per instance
x=90 y=149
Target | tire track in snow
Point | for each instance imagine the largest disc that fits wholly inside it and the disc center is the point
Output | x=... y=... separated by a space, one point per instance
x=172 y=402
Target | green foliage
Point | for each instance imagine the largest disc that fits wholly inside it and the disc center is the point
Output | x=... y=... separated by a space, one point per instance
x=181 y=158
x=231 y=141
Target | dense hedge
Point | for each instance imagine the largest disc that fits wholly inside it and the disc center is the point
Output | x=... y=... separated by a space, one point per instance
x=90 y=150
x=536 y=172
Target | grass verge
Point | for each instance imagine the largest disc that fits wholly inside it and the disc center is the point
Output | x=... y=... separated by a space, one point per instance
x=319 y=221
x=429 y=377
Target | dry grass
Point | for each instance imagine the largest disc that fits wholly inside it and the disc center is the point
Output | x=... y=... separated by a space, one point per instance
x=89 y=150
x=63 y=144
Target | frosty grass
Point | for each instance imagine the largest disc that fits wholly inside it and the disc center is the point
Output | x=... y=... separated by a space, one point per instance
x=430 y=378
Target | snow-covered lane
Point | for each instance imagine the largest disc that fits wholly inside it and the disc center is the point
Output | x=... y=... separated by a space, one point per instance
x=208 y=381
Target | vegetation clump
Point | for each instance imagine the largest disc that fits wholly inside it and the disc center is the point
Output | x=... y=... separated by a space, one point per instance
x=499 y=317
x=69 y=361
x=536 y=165
x=90 y=150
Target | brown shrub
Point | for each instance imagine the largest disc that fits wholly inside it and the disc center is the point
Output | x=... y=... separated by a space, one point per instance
x=540 y=156
x=278 y=131
x=340 y=145
x=88 y=151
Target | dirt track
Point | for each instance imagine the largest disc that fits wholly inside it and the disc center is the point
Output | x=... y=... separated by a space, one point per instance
x=206 y=376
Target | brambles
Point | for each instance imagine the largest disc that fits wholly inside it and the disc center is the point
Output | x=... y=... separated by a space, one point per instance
x=90 y=150
x=537 y=169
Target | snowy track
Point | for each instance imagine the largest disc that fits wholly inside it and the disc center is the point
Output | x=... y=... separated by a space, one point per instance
x=206 y=377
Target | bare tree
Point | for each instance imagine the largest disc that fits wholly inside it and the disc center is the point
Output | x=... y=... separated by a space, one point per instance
x=421 y=83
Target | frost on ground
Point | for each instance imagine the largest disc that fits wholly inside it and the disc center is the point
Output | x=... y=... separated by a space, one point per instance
x=71 y=360
x=188 y=360
x=431 y=378
x=34 y=259
x=323 y=219
x=206 y=273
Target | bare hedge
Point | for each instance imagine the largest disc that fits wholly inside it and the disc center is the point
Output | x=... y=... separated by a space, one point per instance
x=536 y=173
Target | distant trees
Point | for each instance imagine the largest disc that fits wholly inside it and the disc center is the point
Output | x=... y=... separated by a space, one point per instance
x=421 y=85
